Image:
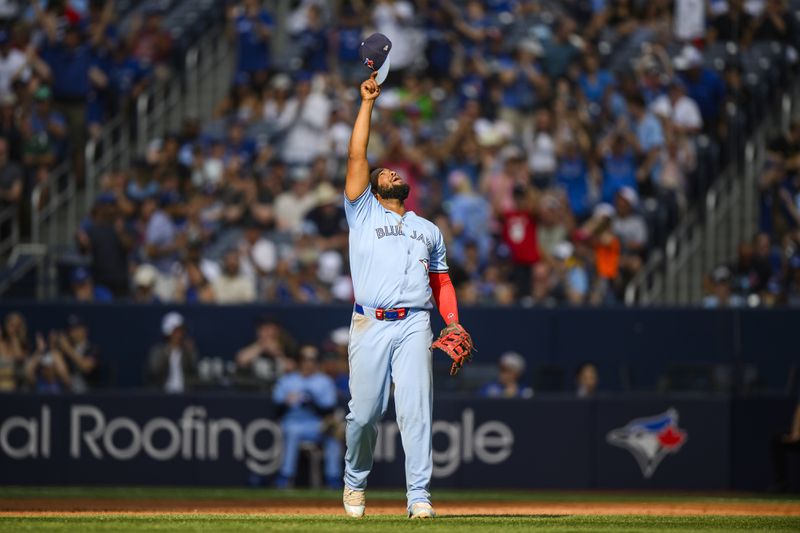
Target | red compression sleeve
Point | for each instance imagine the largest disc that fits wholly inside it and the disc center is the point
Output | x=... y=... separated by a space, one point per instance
x=445 y=295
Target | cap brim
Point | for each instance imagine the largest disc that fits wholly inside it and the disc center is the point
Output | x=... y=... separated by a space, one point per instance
x=383 y=72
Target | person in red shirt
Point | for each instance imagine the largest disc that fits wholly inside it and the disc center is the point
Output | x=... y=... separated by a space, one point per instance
x=519 y=235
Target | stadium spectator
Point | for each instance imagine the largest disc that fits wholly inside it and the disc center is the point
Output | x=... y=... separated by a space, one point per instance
x=520 y=236
x=271 y=355
x=8 y=369
x=107 y=242
x=192 y=285
x=258 y=256
x=251 y=26
x=84 y=289
x=793 y=281
x=511 y=368
x=15 y=336
x=703 y=85
x=13 y=350
x=469 y=219
x=144 y=285
x=46 y=370
x=607 y=250
x=586 y=380
x=721 y=292
x=735 y=24
x=305 y=398
x=11 y=177
x=150 y=42
x=304 y=121
x=47 y=130
x=80 y=356
x=172 y=362
x=13 y=64
x=233 y=285
x=293 y=205
x=572 y=277
x=631 y=229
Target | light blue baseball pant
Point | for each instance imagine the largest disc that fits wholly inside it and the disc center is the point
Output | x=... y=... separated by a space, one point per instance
x=295 y=432
x=383 y=352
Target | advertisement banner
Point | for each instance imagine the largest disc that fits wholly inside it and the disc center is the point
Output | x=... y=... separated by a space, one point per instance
x=144 y=439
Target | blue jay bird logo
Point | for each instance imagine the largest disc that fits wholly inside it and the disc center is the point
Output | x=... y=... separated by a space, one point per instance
x=650 y=439
x=425 y=264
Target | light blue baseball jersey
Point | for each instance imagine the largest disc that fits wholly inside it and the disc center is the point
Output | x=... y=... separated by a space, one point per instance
x=317 y=388
x=390 y=255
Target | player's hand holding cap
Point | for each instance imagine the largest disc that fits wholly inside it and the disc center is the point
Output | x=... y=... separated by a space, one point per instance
x=374 y=53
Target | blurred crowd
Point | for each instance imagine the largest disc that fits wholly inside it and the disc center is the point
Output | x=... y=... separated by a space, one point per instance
x=766 y=271
x=551 y=170
x=554 y=143
x=66 y=67
x=66 y=359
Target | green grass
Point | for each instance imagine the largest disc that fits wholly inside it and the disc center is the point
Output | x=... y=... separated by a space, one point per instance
x=382 y=494
x=456 y=524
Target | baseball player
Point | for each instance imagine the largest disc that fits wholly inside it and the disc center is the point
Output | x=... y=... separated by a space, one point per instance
x=398 y=262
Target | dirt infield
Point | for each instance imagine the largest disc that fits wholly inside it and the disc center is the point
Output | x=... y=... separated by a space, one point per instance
x=84 y=506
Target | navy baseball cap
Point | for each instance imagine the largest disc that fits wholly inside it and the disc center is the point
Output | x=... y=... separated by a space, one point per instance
x=374 y=53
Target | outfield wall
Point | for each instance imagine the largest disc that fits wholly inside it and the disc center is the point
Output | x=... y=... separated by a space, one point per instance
x=620 y=443
x=644 y=341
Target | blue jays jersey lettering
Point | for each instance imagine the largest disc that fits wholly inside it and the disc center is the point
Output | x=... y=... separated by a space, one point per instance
x=391 y=256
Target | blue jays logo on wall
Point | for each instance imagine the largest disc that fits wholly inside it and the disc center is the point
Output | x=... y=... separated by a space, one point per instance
x=650 y=439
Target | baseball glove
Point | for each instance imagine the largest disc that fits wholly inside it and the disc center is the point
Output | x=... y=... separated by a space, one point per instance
x=457 y=343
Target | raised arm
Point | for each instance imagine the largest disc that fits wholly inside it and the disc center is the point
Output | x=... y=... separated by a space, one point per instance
x=357 y=165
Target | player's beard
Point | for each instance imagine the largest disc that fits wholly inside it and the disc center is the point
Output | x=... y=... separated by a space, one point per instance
x=395 y=192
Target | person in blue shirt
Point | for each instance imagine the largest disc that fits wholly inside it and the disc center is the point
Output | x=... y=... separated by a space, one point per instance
x=85 y=290
x=594 y=82
x=559 y=51
x=470 y=216
x=703 y=85
x=346 y=40
x=252 y=28
x=572 y=174
x=508 y=384
x=47 y=126
x=313 y=42
x=305 y=399
x=619 y=168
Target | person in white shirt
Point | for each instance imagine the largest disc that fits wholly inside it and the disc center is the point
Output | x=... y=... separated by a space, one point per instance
x=304 y=123
x=13 y=64
x=233 y=286
x=679 y=109
x=258 y=255
x=291 y=206
x=689 y=22
x=541 y=147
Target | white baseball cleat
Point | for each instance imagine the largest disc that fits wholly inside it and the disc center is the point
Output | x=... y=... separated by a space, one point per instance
x=421 y=510
x=354 y=502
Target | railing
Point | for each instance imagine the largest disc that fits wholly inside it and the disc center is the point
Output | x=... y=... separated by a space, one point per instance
x=54 y=206
x=58 y=202
x=9 y=229
x=698 y=245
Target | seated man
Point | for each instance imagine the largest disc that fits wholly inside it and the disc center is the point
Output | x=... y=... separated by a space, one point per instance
x=305 y=399
x=508 y=384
